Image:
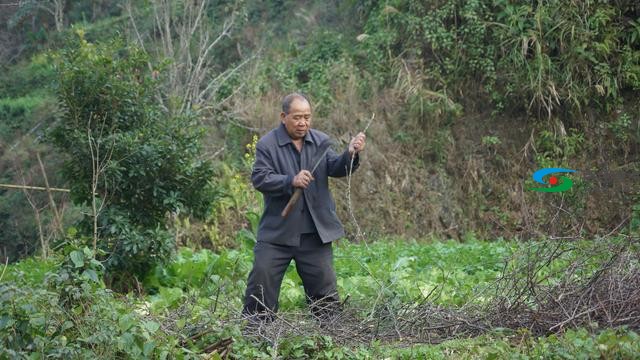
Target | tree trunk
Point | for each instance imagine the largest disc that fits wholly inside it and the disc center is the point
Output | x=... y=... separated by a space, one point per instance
x=59 y=14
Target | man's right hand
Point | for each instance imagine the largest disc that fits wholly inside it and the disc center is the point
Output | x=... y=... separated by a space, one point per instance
x=303 y=179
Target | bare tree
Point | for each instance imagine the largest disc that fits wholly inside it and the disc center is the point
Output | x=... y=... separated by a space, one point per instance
x=48 y=227
x=100 y=158
x=54 y=208
x=187 y=40
x=56 y=8
x=10 y=42
x=44 y=243
x=28 y=8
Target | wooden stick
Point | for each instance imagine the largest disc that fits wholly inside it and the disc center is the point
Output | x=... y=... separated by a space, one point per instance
x=294 y=199
x=298 y=192
x=11 y=186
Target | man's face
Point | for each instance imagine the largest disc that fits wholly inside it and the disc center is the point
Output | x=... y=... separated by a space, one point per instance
x=298 y=120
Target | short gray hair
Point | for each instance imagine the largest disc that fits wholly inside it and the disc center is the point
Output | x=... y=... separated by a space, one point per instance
x=287 y=100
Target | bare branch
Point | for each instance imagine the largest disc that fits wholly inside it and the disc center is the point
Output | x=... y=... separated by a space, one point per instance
x=52 y=203
x=36 y=212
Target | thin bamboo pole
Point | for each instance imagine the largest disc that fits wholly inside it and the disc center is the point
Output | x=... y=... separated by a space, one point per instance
x=11 y=186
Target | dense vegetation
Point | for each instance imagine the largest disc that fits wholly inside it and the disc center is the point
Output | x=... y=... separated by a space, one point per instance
x=139 y=121
x=56 y=308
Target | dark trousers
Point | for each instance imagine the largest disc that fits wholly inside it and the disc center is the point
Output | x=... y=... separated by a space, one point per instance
x=314 y=262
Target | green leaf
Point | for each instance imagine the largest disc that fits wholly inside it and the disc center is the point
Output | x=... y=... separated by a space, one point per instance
x=90 y=274
x=71 y=232
x=66 y=325
x=151 y=326
x=78 y=258
x=148 y=348
x=126 y=322
x=37 y=320
x=6 y=322
x=96 y=263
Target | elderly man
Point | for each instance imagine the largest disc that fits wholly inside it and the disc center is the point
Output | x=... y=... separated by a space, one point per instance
x=284 y=159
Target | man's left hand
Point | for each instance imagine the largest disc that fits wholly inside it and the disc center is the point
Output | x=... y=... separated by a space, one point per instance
x=357 y=143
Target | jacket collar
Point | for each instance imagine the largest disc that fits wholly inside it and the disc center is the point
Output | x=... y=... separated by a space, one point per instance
x=284 y=138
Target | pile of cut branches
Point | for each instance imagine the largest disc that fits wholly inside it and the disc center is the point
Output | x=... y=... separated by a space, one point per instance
x=546 y=288
x=597 y=285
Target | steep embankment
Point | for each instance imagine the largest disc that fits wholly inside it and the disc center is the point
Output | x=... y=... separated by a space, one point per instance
x=470 y=98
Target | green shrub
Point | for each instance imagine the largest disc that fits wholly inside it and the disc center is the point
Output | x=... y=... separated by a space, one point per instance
x=72 y=315
x=547 y=57
x=315 y=68
x=29 y=78
x=142 y=162
x=17 y=115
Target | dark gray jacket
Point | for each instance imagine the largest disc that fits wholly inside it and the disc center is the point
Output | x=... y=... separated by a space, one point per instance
x=272 y=175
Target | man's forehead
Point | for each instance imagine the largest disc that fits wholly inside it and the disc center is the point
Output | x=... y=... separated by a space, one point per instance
x=299 y=106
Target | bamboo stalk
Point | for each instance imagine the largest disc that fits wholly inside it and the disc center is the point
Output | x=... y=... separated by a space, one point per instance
x=11 y=186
